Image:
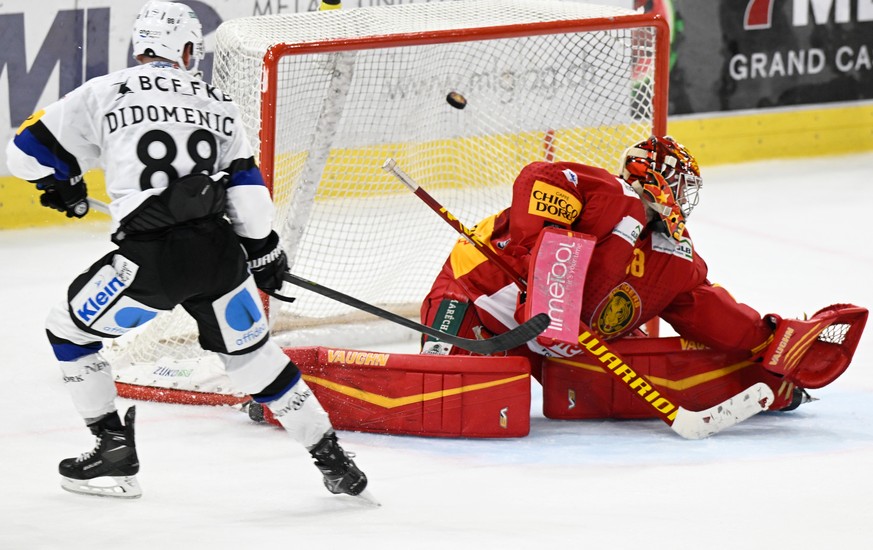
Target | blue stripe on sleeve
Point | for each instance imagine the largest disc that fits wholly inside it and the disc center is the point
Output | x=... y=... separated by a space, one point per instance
x=31 y=146
x=252 y=176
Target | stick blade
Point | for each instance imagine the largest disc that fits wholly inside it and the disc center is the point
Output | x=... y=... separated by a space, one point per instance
x=742 y=406
x=516 y=337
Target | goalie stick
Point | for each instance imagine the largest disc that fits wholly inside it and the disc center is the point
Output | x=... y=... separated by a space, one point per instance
x=390 y=166
x=686 y=423
x=508 y=340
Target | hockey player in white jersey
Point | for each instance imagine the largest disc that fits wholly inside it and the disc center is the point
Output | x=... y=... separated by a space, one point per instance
x=192 y=224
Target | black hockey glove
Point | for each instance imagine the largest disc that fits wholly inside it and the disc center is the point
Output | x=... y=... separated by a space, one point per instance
x=267 y=261
x=67 y=196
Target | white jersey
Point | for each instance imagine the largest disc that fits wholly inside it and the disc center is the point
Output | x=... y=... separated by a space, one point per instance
x=146 y=126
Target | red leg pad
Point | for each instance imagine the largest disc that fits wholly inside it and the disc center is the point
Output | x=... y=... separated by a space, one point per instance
x=684 y=372
x=424 y=395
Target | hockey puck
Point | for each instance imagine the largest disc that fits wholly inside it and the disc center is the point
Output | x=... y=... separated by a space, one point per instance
x=456 y=100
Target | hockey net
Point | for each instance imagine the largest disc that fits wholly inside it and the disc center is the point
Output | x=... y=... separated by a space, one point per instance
x=326 y=97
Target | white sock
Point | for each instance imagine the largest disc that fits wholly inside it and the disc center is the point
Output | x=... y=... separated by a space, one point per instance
x=92 y=387
x=300 y=413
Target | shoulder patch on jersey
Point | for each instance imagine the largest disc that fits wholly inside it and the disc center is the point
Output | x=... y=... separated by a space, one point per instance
x=31 y=120
x=571 y=176
x=620 y=309
x=553 y=203
x=629 y=229
x=627 y=188
x=665 y=245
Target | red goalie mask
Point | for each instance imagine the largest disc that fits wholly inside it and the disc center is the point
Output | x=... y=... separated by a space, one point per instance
x=667 y=178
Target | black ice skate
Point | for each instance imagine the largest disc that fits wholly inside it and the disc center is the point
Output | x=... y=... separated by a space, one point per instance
x=341 y=475
x=109 y=469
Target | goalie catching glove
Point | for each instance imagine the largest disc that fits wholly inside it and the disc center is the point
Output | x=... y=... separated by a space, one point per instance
x=812 y=353
x=67 y=196
x=267 y=261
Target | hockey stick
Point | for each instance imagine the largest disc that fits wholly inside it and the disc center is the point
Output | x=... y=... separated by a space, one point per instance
x=686 y=423
x=99 y=206
x=502 y=342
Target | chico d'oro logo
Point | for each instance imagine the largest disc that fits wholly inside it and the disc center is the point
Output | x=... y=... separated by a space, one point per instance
x=553 y=203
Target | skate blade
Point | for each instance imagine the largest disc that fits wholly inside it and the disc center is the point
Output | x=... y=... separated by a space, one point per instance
x=107 y=486
x=367 y=497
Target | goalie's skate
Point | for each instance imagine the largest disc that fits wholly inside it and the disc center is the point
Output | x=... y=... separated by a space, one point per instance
x=341 y=475
x=799 y=396
x=109 y=469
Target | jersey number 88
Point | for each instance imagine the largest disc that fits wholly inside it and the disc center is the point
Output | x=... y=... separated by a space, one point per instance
x=164 y=164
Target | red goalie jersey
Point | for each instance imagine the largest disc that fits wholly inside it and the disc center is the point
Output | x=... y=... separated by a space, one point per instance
x=635 y=274
x=644 y=265
x=573 y=196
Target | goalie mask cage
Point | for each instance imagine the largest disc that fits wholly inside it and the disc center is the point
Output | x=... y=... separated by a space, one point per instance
x=326 y=97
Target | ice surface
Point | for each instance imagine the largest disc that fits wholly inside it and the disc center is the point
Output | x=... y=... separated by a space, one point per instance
x=784 y=236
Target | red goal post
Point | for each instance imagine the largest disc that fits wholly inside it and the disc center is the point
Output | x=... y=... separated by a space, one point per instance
x=326 y=97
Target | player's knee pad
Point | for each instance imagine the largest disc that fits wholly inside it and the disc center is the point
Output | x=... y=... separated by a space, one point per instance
x=91 y=385
x=98 y=303
x=235 y=323
x=68 y=341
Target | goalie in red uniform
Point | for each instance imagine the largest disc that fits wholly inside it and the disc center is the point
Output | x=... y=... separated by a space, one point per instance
x=643 y=266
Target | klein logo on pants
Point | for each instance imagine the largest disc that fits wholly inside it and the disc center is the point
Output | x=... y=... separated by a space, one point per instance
x=103 y=290
x=98 y=301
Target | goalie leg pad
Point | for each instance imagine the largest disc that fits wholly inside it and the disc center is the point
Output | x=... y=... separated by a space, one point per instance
x=813 y=353
x=681 y=371
x=421 y=395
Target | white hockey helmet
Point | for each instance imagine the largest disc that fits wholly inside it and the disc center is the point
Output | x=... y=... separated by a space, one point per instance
x=163 y=29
